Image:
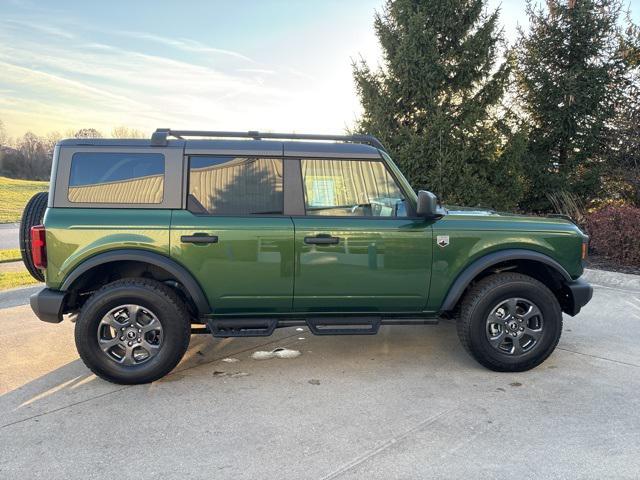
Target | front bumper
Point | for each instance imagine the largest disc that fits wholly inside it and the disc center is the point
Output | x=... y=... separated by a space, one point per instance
x=578 y=294
x=47 y=305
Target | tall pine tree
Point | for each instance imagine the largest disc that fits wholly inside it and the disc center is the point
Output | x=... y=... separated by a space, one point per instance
x=570 y=77
x=436 y=102
x=622 y=179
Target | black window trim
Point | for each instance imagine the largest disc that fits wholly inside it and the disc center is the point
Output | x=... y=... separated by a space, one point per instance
x=292 y=179
x=187 y=191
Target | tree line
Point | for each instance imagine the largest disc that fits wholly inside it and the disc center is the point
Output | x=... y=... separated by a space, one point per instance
x=547 y=121
x=30 y=156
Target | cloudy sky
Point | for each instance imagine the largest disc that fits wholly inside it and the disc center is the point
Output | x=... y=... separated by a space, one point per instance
x=228 y=65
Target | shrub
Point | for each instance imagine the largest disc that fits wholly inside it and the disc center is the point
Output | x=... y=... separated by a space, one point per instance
x=615 y=233
x=567 y=203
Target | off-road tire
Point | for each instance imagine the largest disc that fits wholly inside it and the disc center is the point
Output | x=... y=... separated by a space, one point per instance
x=150 y=294
x=477 y=305
x=32 y=214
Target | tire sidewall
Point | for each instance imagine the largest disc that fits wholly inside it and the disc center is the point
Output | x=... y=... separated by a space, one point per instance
x=33 y=214
x=173 y=331
x=541 y=297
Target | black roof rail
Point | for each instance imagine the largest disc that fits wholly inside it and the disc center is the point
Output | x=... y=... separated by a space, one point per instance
x=160 y=136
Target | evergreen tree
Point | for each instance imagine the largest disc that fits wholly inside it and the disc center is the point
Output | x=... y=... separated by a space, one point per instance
x=570 y=77
x=436 y=101
x=623 y=155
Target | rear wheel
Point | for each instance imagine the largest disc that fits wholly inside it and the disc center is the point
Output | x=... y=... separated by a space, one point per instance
x=510 y=322
x=132 y=331
x=33 y=214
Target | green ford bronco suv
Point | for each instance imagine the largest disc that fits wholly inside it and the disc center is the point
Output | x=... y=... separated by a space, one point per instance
x=145 y=242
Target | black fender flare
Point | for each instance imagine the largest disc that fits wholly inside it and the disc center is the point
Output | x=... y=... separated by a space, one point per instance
x=472 y=271
x=174 y=268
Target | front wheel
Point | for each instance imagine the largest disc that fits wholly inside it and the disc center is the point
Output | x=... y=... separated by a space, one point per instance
x=510 y=322
x=132 y=331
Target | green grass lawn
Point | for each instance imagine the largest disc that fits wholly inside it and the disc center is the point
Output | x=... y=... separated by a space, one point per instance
x=13 y=276
x=16 y=279
x=10 y=255
x=14 y=194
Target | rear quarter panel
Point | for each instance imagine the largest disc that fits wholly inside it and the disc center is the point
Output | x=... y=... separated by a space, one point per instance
x=76 y=234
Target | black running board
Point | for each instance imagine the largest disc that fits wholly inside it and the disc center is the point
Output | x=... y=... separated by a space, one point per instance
x=344 y=325
x=242 y=327
x=320 y=325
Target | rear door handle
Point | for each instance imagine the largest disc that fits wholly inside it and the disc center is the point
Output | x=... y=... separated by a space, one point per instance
x=322 y=240
x=199 y=238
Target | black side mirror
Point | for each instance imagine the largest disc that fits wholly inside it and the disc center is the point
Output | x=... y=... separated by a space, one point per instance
x=428 y=205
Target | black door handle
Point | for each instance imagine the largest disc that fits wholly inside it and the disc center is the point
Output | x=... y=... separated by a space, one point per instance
x=322 y=240
x=199 y=238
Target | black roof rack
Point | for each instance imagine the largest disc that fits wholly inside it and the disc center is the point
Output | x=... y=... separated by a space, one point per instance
x=159 y=137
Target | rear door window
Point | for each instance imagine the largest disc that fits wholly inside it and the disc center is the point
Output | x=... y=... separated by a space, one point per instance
x=133 y=178
x=236 y=185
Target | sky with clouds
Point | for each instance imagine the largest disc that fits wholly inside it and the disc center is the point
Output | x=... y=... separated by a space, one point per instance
x=242 y=65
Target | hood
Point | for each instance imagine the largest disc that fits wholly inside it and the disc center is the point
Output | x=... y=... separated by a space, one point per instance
x=480 y=213
x=457 y=210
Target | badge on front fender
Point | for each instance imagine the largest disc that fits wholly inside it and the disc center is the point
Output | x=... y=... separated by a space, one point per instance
x=442 y=240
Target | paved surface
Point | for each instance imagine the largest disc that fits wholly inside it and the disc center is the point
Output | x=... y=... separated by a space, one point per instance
x=9 y=235
x=13 y=298
x=6 y=267
x=408 y=403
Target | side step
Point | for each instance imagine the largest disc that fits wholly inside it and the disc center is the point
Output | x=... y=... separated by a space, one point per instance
x=242 y=327
x=344 y=325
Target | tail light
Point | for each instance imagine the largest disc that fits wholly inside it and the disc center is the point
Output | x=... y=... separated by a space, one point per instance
x=39 y=246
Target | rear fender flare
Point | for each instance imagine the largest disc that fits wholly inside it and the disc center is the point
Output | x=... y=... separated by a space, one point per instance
x=178 y=271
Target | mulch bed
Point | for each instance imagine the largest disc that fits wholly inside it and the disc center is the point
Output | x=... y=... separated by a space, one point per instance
x=603 y=263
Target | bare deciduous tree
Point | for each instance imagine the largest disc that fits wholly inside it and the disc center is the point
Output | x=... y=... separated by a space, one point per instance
x=4 y=138
x=36 y=156
x=126 y=132
x=87 y=133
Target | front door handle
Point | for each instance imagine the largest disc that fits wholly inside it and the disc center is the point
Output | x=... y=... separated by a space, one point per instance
x=199 y=238
x=322 y=240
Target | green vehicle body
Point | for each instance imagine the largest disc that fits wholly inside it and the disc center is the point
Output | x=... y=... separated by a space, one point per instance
x=260 y=266
x=415 y=276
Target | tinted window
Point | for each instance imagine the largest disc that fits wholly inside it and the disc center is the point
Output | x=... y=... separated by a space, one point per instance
x=236 y=185
x=136 y=178
x=353 y=188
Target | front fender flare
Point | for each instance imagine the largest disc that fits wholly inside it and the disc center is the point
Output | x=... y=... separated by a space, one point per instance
x=178 y=271
x=472 y=271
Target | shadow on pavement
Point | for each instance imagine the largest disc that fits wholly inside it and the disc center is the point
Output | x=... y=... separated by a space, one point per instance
x=71 y=384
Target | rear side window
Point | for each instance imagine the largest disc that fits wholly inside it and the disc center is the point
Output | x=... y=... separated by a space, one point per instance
x=236 y=185
x=136 y=178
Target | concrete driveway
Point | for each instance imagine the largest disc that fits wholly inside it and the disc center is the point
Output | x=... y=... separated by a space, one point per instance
x=408 y=403
x=9 y=235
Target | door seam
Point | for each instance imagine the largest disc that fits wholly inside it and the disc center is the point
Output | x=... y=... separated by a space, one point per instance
x=293 y=273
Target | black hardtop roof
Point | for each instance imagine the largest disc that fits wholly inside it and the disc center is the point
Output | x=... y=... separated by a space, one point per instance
x=246 y=142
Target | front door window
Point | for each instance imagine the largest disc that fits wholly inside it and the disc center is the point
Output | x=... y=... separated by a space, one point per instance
x=351 y=188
